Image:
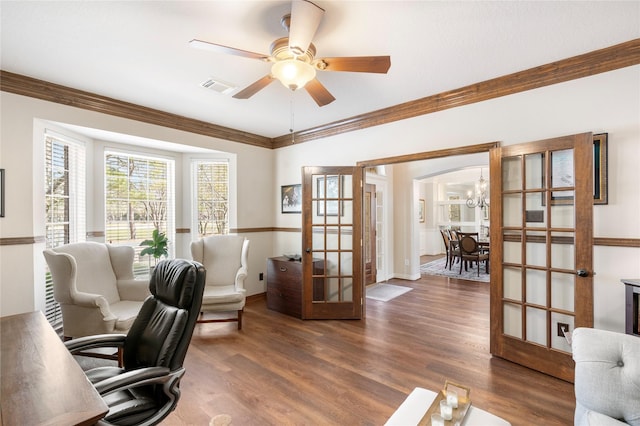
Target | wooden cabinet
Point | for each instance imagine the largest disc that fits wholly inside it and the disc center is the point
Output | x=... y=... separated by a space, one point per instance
x=284 y=285
x=632 y=309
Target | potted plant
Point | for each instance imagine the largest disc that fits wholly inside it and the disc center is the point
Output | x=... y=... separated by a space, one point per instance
x=156 y=246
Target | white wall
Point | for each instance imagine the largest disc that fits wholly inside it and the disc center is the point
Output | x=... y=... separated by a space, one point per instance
x=21 y=155
x=607 y=102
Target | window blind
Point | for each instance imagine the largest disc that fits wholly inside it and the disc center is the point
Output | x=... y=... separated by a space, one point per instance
x=211 y=197
x=139 y=197
x=65 y=194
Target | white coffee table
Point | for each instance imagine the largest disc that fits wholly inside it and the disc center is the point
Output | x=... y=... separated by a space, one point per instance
x=413 y=409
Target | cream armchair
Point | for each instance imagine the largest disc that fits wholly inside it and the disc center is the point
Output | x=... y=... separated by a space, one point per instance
x=225 y=258
x=95 y=287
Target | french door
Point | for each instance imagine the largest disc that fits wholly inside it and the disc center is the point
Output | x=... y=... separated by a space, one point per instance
x=541 y=250
x=331 y=232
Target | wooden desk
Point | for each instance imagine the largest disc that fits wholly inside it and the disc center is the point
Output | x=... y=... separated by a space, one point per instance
x=40 y=381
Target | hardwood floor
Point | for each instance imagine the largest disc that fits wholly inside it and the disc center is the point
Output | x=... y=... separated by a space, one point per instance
x=285 y=371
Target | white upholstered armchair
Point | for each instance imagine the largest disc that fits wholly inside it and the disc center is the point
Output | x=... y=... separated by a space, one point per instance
x=95 y=287
x=225 y=258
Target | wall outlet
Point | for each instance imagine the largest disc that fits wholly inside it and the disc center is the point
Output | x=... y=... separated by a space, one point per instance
x=562 y=328
x=261 y=276
x=406 y=262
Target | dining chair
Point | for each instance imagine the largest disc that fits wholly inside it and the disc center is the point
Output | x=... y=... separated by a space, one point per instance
x=470 y=252
x=454 y=251
x=446 y=238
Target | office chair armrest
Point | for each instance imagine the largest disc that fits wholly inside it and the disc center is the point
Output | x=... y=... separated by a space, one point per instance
x=96 y=341
x=133 y=289
x=133 y=379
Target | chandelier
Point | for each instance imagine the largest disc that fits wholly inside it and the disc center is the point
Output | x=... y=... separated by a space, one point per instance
x=479 y=198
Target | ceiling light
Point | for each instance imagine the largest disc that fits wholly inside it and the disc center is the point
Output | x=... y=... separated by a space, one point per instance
x=293 y=73
x=479 y=199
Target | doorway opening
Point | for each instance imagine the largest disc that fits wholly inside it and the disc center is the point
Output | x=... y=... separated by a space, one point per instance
x=398 y=207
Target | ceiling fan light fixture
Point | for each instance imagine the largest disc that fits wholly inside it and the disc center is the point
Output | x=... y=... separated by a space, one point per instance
x=293 y=73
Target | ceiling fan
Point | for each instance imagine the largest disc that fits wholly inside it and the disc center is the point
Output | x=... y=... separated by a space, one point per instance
x=293 y=57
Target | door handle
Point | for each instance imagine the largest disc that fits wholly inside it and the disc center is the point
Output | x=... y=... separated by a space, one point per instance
x=582 y=273
x=308 y=250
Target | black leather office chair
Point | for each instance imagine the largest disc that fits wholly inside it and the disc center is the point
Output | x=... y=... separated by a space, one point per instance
x=146 y=389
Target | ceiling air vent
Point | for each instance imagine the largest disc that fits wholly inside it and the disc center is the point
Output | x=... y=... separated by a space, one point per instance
x=218 y=86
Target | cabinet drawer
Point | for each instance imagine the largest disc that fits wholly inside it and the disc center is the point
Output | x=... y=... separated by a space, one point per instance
x=289 y=272
x=289 y=303
x=284 y=286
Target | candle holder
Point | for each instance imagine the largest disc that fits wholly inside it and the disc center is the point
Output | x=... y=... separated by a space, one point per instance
x=451 y=404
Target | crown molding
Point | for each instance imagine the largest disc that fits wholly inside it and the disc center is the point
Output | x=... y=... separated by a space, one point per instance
x=40 y=89
x=595 y=62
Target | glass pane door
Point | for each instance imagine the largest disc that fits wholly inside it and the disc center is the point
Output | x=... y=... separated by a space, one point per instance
x=331 y=214
x=545 y=213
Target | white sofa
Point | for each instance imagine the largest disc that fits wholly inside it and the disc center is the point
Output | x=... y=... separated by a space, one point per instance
x=607 y=377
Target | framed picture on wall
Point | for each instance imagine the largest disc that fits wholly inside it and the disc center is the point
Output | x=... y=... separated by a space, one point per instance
x=421 y=210
x=291 y=198
x=562 y=172
x=600 y=173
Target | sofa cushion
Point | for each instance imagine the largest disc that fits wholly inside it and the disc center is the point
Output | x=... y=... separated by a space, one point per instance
x=125 y=312
x=607 y=375
x=222 y=294
x=593 y=418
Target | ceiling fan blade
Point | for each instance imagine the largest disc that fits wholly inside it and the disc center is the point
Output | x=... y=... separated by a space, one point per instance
x=377 y=64
x=305 y=19
x=319 y=93
x=254 y=88
x=219 y=48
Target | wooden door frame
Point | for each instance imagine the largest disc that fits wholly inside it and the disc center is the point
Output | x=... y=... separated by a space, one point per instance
x=429 y=155
x=371 y=225
x=420 y=156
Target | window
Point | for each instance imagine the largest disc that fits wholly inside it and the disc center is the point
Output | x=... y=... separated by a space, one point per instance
x=64 y=203
x=139 y=197
x=211 y=200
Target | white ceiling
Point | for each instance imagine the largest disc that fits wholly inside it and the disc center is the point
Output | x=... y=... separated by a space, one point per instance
x=137 y=51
